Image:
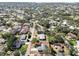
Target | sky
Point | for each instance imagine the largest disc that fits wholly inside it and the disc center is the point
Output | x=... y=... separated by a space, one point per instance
x=39 y=0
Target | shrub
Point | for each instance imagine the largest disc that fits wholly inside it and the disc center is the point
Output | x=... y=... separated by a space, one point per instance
x=23 y=49
x=72 y=42
x=16 y=53
x=35 y=40
x=10 y=39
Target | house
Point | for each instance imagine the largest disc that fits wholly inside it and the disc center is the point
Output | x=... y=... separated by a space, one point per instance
x=41 y=36
x=72 y=27
x=77 y=46
x=23 y=38
x=59 y=48
x=2 y=41
x=19 y=15
x=7 y=30
x=24 y=29
x=17 y=44
x=71 y=36
x=42 y=48
x=16 y=24
x=1 y=48
x=39 y=50
x=65 y=23
x=34 y=52
x=17 y=28
x=2 y=28
x=77 y=43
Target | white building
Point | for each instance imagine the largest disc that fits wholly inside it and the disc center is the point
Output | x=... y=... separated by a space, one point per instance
x=41 y=36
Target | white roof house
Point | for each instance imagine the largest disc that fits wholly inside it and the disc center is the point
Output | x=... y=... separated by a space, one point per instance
x=77 y=43
x=41 y=36
x=2 y=40
x=1 y=48
x=22 y=37
x=77 y=46
x=64 y=22
x=72 y=27
x=2 y=27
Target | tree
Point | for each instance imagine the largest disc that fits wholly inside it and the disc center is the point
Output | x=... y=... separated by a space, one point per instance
x=51 y=38
x=63 y=29
x=16 y=53
x=73 y=42
x=44 y=23
x=35 y=40
x=73 y=52
x=2 y=53
x=10 y=39
x=23 y=49
x=59 y=39
x=53 y=52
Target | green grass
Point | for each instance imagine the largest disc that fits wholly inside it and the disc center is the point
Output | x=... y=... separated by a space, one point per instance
x=73 y=42
x=23 y=49
x=35 y=40
x=51 y=38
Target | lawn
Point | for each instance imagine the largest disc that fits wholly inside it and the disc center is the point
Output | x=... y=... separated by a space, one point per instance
x=73 y=42
x=50 y=38
x=23 y=49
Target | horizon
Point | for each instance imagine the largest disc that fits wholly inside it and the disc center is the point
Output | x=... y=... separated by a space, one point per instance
x=41 y=1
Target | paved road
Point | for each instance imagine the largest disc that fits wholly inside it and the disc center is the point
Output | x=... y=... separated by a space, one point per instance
x=32 y=31
x=30 y=43
x=66 y=42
